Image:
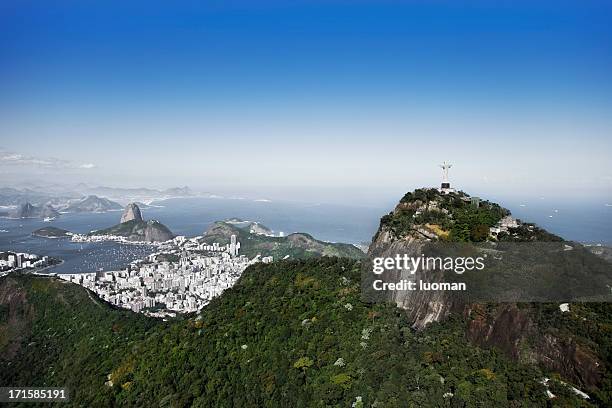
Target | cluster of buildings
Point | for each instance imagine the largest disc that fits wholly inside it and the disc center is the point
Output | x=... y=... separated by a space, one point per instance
x=100 y=238
x=182 y=277
x=193 y=244
x=16 y=261
x=232 y=248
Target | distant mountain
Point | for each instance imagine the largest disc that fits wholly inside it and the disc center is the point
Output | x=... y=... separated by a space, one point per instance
x=178 y=192
x=28 y=210
x=93 y=203
x=298 y=245
x=134 y=228
x=62 y=195
x=13 y=196
x=118 y=193
x=135 y=194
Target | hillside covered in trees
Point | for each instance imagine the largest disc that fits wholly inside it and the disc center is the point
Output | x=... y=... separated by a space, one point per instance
x=289 y=333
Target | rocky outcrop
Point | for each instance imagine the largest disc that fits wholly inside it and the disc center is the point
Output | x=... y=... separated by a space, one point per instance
x=131 y=212
x=423 y=307
x=514 y=330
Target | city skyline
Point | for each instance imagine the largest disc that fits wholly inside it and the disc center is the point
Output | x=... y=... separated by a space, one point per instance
x=306 y=99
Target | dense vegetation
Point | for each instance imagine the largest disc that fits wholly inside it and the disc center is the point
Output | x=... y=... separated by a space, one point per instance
x=455 y=217
x=289 y=333
x=64 y=335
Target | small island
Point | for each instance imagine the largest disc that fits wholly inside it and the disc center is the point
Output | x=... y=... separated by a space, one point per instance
x=51 y=232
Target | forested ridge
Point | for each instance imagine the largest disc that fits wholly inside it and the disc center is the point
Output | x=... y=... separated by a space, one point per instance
x=291 y=333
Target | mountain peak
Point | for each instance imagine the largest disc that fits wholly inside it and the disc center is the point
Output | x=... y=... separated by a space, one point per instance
x=131 y=212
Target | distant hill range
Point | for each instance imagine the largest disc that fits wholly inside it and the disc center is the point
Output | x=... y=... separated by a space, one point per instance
x=28 y=210
x=12 y=196
x=93 y=203
x=137 y=194
x=297 y=245
x=252 y=226
x=133 y=227
x=61 y=197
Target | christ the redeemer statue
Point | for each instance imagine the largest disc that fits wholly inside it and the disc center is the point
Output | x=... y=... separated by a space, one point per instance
x=445 y=183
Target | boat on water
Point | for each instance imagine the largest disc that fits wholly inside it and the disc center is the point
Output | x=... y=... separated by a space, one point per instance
x=49 y=219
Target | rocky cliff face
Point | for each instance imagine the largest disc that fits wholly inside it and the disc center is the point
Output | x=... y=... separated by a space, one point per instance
x=422 y=307
x=514 y=329
x=131 y=212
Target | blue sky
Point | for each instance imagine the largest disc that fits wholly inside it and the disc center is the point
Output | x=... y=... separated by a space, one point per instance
x=309 y=97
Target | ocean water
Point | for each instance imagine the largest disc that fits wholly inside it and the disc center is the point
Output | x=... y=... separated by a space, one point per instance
x=587 y=223
x=584 y=222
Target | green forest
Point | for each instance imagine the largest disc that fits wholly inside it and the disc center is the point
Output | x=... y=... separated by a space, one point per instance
x=291 y=333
